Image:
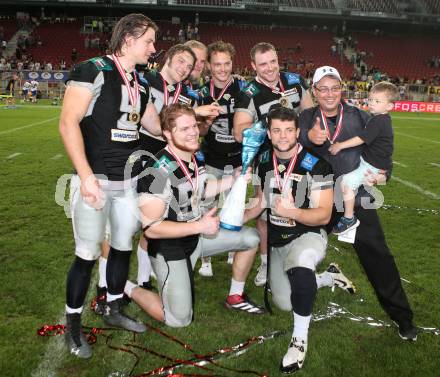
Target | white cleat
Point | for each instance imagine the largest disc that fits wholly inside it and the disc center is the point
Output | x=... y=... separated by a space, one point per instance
x=293 y=360
x=206 y=270
x=261 y=277
x=340 y=280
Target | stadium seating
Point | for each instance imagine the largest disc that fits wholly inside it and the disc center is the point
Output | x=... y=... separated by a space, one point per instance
x=406 y=57
x=432 y=6
x=58 y=41
x=376 y=6
x=10 y=27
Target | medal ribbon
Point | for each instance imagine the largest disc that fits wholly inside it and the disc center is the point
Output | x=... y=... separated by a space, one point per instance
x=338 y=127
x=289 y=168
x=133 y=97
x=212 y=90
x=274 y=89
x=166 y=94
x=186 y=171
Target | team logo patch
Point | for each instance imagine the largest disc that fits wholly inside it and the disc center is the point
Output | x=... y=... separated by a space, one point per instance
x=101 y=64
x=264 y=157
x=164 y=163
x=292 y=78
x=309 y=162
x=204 y=92
x=227 y=96
x=251 y=90
x=242 y=84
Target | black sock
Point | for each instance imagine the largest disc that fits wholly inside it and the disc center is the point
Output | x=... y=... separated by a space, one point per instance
x=78 y=281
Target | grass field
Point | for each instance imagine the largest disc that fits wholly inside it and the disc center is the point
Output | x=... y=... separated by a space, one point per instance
x=36 y=249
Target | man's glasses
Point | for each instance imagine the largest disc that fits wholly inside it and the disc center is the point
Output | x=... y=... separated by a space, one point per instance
x=327 y=90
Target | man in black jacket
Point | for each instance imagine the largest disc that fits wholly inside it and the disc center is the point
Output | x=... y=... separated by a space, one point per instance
x=332 y=121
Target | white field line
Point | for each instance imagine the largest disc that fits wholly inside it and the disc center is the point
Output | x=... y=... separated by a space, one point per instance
x=56 y=157
x=417 y=138
x=400 y=164
x=13 y=155
x=53 y=356
x=415 y=118
x=417 y=188
x=434 y=164
x=28 y=126
x=56 y=350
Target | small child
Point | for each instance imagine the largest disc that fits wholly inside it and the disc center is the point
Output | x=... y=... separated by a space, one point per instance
x=376 y=154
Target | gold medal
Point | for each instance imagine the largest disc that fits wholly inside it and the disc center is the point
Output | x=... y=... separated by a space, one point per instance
x=134 y=117
x=195 y=201
x=284 y=101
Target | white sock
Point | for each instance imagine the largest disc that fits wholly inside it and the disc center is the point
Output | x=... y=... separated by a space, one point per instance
x=237 y=287
x=263 y=258
x=113 y=297
x=70 y=310
x=301 y=326
x=129 y=286
x=102 y=272
x=144 y=266
x=324 y=280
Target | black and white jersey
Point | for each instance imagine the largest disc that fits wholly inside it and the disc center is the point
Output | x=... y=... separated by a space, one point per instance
x=110 y=138
x=151 y=143
x=256 y=98
x=163 y=178
x=219 y=146
x=309 y=173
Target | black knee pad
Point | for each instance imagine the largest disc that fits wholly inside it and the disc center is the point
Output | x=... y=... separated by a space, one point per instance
x=303 y=286
x=118 y=263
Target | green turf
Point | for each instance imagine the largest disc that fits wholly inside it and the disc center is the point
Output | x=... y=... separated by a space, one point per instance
x=36 y=249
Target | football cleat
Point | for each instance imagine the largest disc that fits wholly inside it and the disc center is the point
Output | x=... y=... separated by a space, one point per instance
x=114 y=316
x=206 y=268
x=75 y=340
x=243 y=303
x=407 y=331
x=261 y=277
x=339 y=279
x=293 y=360
x=344 y=225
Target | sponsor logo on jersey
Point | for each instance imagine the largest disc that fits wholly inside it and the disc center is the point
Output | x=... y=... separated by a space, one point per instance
x=292 y=78
x=281 y=221
x=290 y=91
x=296 y=177
x=124 y=136
x=185 y=100
x=242 y=84
x=309 y=162
x=251 y=90
x=224 y=138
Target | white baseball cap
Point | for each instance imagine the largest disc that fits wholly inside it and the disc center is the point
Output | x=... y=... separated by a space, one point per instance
x=325 y=71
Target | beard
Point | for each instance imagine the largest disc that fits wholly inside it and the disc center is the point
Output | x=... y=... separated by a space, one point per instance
x=288 y=148
x=183 y=147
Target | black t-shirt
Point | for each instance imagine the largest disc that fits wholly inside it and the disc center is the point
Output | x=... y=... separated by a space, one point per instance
x=110 y=139
x=150 y=143
x=219 y=146
x=309 y=173
x=164 y=179
x=378 y=138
